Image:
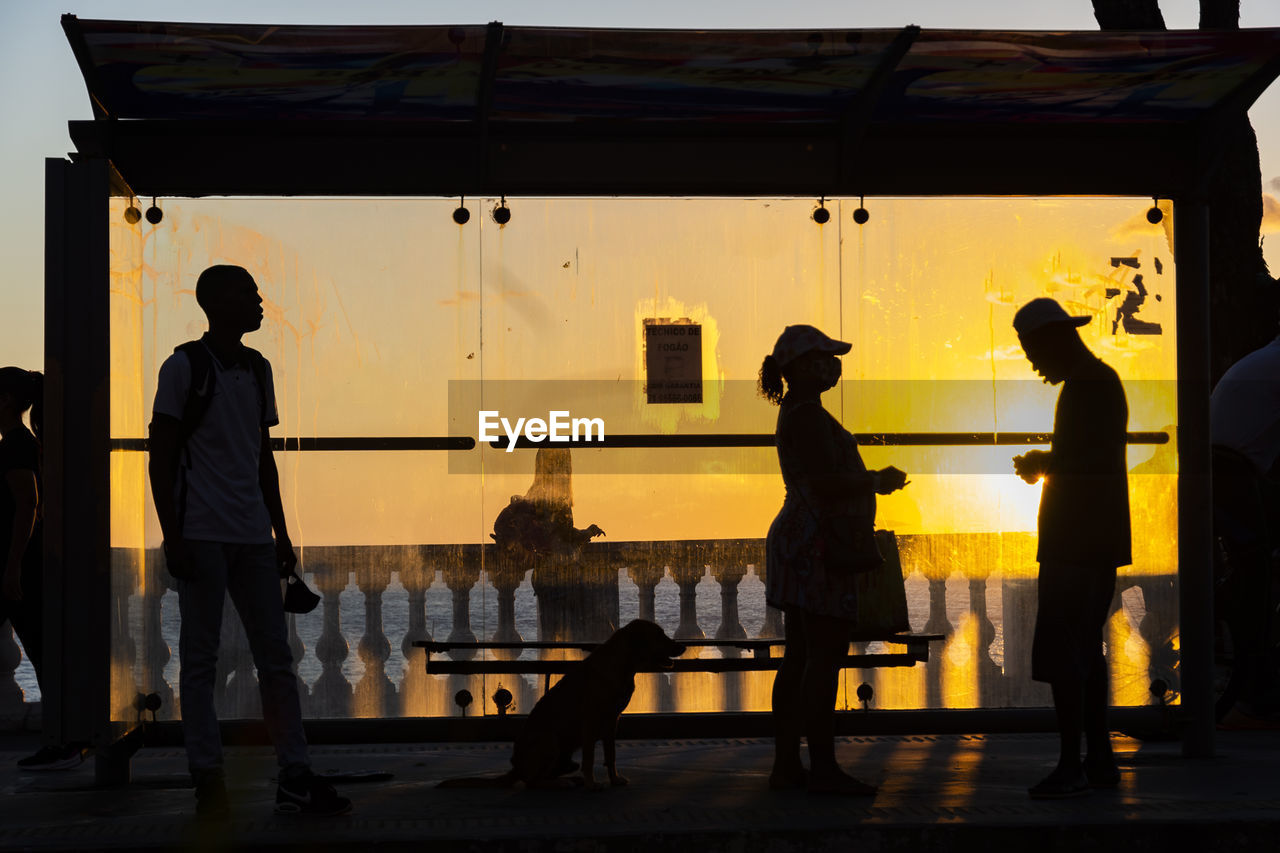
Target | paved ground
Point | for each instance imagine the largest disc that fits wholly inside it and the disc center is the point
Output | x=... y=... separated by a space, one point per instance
x=955 y=792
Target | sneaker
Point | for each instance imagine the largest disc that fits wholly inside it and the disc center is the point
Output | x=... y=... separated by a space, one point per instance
x=211 y=799
x=53 y=758
x=310 y=795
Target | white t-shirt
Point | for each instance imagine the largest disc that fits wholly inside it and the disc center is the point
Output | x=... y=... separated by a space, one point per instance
x=1244 y=410
x=224 y=500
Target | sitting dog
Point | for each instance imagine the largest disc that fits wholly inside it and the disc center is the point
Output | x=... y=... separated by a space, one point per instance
x=581 y=709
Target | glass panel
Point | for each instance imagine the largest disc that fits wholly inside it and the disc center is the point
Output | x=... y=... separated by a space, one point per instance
x=131 y=584
x=386 y=320
x=931 y=287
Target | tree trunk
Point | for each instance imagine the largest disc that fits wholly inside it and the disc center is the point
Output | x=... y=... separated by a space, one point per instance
x=1242 y=302
x=1219 y=14
x=1128 y=14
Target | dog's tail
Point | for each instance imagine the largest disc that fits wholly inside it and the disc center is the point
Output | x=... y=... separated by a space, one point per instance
x=506 y=780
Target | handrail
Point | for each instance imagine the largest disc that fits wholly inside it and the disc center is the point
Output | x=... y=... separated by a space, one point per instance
x=436 y=646
x=620 y=442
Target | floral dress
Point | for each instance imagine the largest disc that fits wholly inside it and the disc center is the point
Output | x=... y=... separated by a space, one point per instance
x=812 y=443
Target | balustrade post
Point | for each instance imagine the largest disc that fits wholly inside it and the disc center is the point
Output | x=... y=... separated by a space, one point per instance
x=374 y=693
x=646 y=576
x=732 y=684
x=416 y=578
x=730 y=623
x=155 y=649
x=126 y=575
x=332 y=694
x=1018 y=609
x=687 y=578
x=506 y=575
x=990 y=676
x=461 y=577
x=938 y=623
x=11 y=697
x=773 y=625
x=596 y=595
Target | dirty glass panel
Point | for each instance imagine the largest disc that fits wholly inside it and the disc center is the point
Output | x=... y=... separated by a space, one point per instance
x=133 y=577
x=931 y=287
x=388 y=326
x=370 y=308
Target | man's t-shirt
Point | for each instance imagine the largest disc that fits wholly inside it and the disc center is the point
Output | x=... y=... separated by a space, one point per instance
x=1084 y=508
x=219 y=463
x=19 y=451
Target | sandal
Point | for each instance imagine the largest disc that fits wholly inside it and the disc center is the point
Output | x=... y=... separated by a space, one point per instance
x=789 y=780
x=845 y=786
x=1060 y=785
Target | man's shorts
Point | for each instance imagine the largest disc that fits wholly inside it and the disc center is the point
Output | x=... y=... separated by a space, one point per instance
x=1074 y=602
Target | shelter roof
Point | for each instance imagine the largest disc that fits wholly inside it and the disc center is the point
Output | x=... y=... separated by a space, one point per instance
x=441 y=110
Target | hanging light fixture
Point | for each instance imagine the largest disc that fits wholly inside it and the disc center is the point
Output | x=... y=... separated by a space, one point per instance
x=461 y=215
x=154 y=213
x=132 y=214
x=820 y=213
x=861 y=215
x=501 y=213
x=1155 y=214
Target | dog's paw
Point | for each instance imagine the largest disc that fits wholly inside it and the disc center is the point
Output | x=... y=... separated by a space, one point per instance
x=618 y=781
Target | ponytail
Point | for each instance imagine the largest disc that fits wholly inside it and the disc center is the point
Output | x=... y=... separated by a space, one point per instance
x=27 y=388
x=35 y=382
x=771 y=380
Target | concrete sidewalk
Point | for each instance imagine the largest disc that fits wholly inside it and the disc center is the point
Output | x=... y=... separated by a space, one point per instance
x=946 y=792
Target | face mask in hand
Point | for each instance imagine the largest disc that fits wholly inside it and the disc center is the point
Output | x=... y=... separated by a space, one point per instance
x=297 y=597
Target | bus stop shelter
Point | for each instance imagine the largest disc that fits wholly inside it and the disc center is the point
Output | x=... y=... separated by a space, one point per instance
x=186 y=110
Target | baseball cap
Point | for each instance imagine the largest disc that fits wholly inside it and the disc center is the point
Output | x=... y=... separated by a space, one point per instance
x=797 y=340
x=1042 y=312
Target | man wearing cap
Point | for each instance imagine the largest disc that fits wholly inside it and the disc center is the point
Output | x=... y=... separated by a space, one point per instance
x=1083 y=539
x=217 y=496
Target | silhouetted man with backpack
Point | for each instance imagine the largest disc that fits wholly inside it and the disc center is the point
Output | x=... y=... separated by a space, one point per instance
x=217 y=495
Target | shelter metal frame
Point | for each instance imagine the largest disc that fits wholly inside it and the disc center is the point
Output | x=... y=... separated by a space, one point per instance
x=855 y=155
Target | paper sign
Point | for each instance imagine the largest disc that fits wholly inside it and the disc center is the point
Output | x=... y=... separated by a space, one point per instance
x=673 y=361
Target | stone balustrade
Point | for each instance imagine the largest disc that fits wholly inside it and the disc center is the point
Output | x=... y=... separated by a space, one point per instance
x=976 y=589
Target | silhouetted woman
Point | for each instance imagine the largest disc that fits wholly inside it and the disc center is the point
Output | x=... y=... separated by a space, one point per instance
x=21 y=537
x=824 y=476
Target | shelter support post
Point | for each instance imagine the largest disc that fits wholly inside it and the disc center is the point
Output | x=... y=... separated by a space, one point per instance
x=76 y=476
x=1195 y=511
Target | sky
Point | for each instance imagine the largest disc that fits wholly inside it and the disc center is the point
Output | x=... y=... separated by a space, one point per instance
x=41 y=89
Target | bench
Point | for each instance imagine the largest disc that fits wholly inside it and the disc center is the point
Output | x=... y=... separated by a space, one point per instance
x=761 y=659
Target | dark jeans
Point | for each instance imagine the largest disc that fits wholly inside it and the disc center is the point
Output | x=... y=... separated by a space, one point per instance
x=248 y=574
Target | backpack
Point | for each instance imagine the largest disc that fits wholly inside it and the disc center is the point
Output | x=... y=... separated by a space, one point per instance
x=204 y=380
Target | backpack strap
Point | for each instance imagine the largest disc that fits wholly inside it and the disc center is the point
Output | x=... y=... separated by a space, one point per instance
x=200 y=392
x=204 y=380
x=258 y=365
x=194 y=408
